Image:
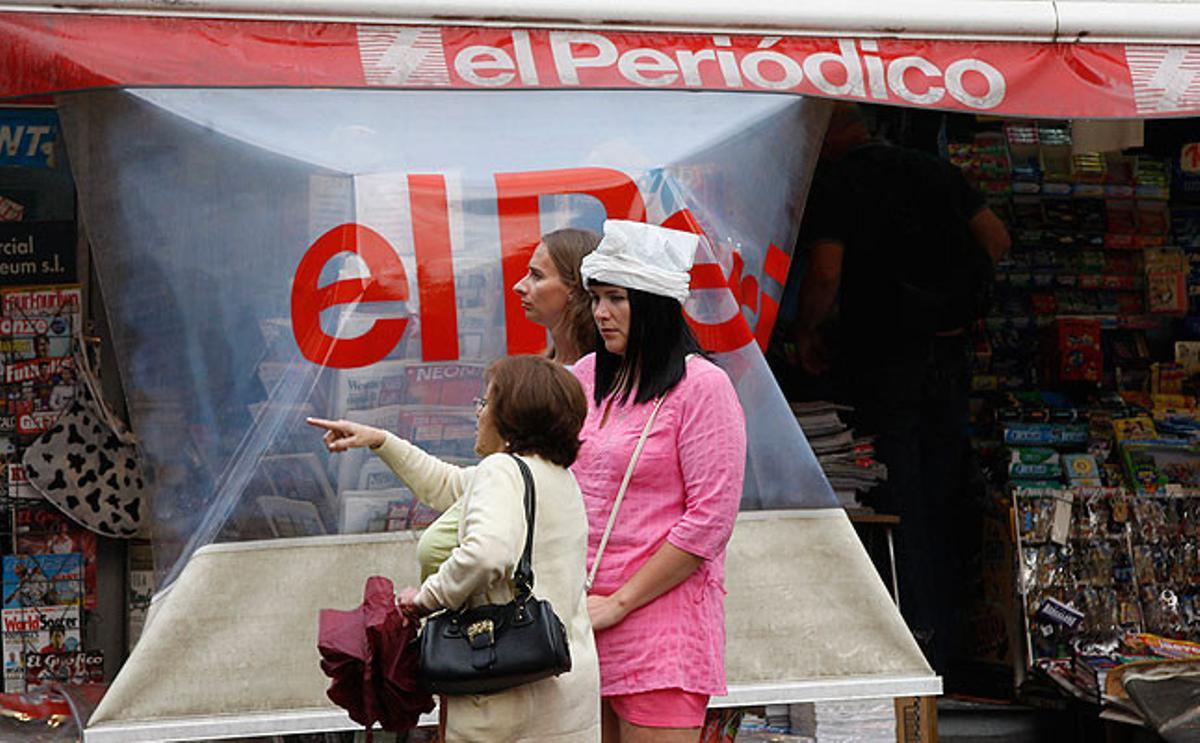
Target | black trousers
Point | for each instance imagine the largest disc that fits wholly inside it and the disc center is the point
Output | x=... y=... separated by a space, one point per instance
x=914 y=401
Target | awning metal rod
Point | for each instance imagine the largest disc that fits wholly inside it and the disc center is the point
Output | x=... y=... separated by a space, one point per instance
x=1083 y=21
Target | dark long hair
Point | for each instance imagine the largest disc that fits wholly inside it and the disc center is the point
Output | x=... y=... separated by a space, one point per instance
x=656 y=351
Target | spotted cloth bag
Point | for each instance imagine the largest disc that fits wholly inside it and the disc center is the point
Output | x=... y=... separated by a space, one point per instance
x=87 y=464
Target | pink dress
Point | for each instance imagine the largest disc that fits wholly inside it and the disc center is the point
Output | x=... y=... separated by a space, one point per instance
x=686 y=489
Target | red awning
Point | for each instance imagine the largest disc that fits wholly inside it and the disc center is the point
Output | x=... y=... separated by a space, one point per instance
x=49 y=53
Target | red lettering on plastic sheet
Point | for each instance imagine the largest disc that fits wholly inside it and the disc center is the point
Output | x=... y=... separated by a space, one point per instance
x=435 y=267
x=727 y=335
x=518 y=196
x=387 y=282
x=775 y=266
x=735 y=332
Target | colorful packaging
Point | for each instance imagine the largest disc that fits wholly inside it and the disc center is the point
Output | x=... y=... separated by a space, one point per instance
x=1082 y=469
x=1034 y=463
x=1080 y=357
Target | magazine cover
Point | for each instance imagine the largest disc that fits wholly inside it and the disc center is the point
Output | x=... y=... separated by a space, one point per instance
x=71 y=667
x=408 y=383
x=293 y=435
x=440 y=431
x=18 y=482
x=420 y=515
x=289 y=517
x=271 y=373
x=447 y=433
x=62 y=301
x=8 y=455
x=368 y=511
x=43 y=580
x=141 y=590
x=31 y=336
x=36 y=629
x=43 y=530
x=299 y=477
x=35 y=408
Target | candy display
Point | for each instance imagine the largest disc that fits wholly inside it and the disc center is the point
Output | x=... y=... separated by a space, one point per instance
x=1131 y=563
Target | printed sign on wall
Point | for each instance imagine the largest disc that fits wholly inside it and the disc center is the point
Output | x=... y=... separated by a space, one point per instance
x=33 y=253
x=28 y=137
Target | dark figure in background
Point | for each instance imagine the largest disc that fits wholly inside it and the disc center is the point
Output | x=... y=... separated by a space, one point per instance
x=910 y=246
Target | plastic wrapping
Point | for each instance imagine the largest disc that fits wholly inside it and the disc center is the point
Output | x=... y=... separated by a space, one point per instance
x=269 y=254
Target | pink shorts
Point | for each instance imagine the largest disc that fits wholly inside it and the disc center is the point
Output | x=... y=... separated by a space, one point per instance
x=661 y=708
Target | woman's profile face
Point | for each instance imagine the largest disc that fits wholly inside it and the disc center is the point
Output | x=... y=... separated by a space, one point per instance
x=543 y=293
x=487 y=438
x=610 y=309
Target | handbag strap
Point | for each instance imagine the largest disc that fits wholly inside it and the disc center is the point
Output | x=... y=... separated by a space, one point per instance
x=612 y=516
x=523 y=575
x=91 y=382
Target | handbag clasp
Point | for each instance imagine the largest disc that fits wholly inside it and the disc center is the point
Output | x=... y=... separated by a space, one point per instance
x=482 y=627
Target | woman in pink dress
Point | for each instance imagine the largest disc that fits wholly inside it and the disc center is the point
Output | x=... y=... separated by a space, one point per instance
x=657 y=601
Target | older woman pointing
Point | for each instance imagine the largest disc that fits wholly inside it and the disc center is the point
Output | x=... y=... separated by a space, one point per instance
x=533 y=408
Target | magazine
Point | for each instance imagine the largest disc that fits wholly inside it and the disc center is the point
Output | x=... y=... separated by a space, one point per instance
x=39 y=370
x=31 y=336
x=46 y=300
x=43 y=580
x=70 y=667
x=448 y=384
x=291 y=435
x=289 y=517
x=44 y=530
x=299 y=477
x=442 y=432
x=140 y=591
x=18 y=482
x=36 y=629
x=369 y=511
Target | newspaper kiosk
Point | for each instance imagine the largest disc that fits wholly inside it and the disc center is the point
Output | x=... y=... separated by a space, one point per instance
x=299 y=210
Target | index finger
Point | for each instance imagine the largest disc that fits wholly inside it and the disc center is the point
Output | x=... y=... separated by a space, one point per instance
x=322 y=423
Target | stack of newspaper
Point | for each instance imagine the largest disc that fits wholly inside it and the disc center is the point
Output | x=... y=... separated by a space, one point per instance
x=861 y=721
x=848 y=461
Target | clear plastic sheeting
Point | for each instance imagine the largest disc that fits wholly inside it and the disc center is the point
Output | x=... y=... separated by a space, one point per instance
x=265 y=255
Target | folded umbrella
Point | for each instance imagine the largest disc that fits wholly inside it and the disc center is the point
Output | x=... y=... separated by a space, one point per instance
x=370 y=654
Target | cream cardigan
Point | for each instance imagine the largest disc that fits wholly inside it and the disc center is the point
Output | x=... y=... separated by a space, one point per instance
x=491 y=535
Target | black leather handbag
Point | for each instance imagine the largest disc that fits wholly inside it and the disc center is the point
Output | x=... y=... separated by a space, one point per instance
x=497 y=646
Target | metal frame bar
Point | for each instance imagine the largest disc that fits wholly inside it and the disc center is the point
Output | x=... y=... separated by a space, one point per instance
x=1076 y=21
x=331 y=720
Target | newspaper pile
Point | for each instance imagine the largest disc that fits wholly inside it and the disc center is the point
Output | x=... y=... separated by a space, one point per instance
x=860 y=721
x=848 y=461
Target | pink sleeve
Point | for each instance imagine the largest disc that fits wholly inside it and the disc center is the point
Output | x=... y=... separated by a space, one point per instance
x=711 y=438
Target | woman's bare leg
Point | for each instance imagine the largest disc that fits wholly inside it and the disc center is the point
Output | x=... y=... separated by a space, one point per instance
x=610 y=730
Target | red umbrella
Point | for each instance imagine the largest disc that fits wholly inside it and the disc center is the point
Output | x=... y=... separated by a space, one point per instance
x=370 y=655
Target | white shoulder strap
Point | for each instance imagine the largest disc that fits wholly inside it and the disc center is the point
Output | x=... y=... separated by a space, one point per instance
x=612 y=517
